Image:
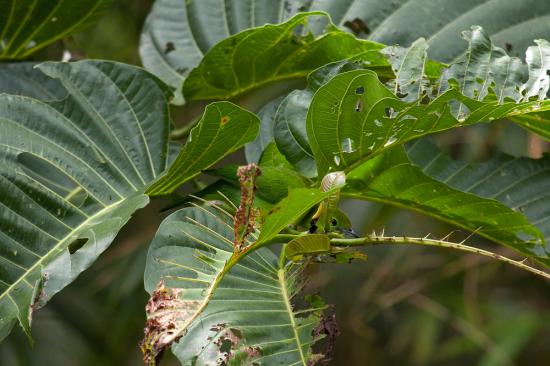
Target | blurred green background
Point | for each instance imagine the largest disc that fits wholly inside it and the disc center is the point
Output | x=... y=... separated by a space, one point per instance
x=404 y=306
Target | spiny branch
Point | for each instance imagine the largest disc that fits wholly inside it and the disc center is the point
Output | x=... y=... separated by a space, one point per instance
x=425 y=241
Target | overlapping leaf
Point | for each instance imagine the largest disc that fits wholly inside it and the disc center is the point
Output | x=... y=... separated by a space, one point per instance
x=247 y=318
x=72 y=174
x=392 y=179
x=353 y=117
x=177 y=34
x=259 y=56
x=27 y=26
x=519 y=183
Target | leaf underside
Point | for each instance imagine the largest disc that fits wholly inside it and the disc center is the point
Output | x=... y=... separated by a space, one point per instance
x=73 y=171
x=249 y=316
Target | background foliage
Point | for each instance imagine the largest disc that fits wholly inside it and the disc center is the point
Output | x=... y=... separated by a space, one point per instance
x=408 y=306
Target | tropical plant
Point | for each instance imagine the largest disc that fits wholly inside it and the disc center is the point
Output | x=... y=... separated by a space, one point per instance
x=227 y=274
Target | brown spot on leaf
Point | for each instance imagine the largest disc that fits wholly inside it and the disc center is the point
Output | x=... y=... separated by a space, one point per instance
x=224 y=120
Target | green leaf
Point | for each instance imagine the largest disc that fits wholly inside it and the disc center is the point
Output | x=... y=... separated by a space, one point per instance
x=177 y=34
x=307 y=245
x=290 y=132
x=27 y=26
x=222 y=129
x=254 y=149
x=289 y=210
x=271 y=156
x=353 y=117
x=249 y=310
x=519 y=183
x=392 y=179
x=24 y=78
x=256 y=57
x=72 y=173
x=408 y=66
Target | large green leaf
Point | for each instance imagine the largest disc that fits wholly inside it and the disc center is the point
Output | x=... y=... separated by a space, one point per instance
x=392 y=179
x=519 y=183
x=223 y=128
x=354 y=117
x=72 y=173
x=27 y=26
x=24 y=78
x=177 y=34
x=247 y=318
x=256 y=57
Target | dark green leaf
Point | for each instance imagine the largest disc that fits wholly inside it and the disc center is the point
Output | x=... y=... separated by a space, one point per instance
x=27 y=26
x=256 y=57
x=24 y=78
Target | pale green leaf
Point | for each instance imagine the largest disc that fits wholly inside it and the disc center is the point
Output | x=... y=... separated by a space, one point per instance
x=251 y=304
x=72 y=173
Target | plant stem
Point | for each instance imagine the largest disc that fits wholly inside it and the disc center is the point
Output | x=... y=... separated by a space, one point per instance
x=402 y=240
x=183 y=132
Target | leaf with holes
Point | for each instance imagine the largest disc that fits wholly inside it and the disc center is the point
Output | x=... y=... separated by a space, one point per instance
x=178 y=34
x=354 y=117
x=206 y=313
x=73 y=171
x=27 y=26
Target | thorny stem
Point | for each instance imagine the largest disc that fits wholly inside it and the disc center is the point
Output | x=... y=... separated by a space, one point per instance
x=373 y=240
x=402 y=240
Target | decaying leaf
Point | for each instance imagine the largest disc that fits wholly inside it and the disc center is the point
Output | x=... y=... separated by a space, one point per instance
x=246 y=214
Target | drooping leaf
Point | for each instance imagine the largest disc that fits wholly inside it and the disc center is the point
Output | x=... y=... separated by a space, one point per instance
x=72 y=173
x=391 y=178
x=519 y=183
x=259 y=56
x=27 y=26
x=247 y=318
x=177 y=34
x=222 y=129
x=307 y=245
